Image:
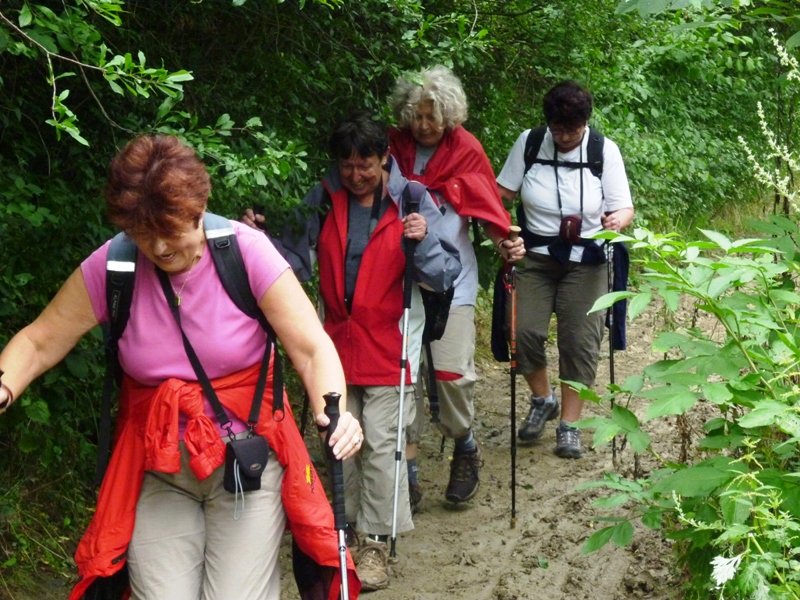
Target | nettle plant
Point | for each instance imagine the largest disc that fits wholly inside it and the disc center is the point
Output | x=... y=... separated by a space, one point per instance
x=734 y=508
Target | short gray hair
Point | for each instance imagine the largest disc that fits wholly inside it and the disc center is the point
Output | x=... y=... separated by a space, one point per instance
x=437 y=84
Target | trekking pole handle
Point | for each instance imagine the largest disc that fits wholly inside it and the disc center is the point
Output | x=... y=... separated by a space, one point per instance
x=411 y=206
x=337 y=474
x=513 y=232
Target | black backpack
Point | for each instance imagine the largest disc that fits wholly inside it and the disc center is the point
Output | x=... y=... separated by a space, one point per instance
x=594 y=152
x=593 y=162
x=120 y=278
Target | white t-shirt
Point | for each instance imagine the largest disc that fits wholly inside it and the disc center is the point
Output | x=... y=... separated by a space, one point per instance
x=539 y=191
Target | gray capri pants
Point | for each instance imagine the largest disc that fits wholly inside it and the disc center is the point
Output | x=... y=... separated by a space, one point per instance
x=544 y=287
x=193 y=540
x=369 y=476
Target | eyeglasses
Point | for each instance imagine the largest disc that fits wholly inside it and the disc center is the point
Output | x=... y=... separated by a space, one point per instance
x=566 y=132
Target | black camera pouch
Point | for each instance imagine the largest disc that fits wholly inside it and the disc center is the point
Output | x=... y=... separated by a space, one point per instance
x=570 y=230
x=245 y=461
x=437 y=309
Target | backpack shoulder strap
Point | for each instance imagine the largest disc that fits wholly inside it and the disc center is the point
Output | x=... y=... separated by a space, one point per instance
x=532 y=146
x=230 y=267
x=594 y=153
x=120 y=276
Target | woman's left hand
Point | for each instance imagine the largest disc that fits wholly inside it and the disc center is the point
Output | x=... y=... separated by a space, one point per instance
x=511 y=250
x=415 y=227
x=617 y=220
x=347 y=438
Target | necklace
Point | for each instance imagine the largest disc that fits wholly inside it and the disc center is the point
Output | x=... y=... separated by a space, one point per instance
x=189 y=273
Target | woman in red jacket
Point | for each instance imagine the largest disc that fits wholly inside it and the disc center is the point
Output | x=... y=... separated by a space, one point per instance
x=359 y=230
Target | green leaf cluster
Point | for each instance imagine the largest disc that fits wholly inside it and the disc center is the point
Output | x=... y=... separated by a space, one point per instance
x=739 y=495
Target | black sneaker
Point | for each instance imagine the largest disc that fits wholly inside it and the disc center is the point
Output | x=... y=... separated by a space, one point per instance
x=539 y=414
x=464 y=481
x=568 y=442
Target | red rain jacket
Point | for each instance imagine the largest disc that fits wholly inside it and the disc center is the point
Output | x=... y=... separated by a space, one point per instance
x=459 y=171
x=368 y=337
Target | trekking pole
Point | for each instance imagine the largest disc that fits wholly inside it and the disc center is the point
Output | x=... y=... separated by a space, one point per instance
x=337 y=488
x=513 y=233
x=304 y=416
x=412 y=206
x=610 y=319
x=433 y=390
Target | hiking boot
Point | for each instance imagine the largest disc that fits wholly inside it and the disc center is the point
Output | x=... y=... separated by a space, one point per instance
x=539 y=414
x=415 y=497
x=464 y=481
x=568 y=442
x=372 y=565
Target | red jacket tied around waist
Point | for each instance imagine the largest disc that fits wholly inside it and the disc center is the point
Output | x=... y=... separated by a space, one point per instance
x=148 y=439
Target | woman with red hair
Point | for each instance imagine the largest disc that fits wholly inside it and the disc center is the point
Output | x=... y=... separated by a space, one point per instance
x=163 y=511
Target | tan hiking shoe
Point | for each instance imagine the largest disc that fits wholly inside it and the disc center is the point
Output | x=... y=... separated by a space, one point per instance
x=372 y=565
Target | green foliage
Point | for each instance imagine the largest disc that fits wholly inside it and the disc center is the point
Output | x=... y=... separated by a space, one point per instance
x=739 y=498
x=79 y=78
x=730 y=14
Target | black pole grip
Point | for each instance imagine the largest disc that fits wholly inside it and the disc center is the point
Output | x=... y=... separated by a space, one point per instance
x=411 y=206
x=337 y=473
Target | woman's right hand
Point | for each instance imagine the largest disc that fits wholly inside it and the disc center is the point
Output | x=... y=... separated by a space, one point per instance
x=348 y=436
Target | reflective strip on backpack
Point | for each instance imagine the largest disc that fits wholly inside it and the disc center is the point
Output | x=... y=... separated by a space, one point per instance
x=121 y=266
x=213 y=234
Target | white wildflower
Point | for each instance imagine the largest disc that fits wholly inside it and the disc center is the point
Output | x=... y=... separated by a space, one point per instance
x=724 y=569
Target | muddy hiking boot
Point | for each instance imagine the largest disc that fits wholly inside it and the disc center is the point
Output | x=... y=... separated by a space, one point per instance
x=372 y=564
x=568 y=441
x=464 y=481
x=542 y=410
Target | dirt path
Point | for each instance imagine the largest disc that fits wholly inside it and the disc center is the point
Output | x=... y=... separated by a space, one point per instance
x=473 y=553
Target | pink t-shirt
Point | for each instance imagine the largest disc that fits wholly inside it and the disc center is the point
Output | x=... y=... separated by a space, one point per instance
x=224 y=338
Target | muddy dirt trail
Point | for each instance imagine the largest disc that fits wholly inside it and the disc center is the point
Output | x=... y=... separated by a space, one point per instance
x=472 y=552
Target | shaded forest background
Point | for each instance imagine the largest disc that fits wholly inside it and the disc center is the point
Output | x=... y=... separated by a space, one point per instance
x=255 y=87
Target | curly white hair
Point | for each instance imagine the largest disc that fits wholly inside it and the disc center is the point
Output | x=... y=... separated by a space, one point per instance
x=437 y=84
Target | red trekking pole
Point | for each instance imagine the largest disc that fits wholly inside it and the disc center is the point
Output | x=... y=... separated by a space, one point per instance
x=337 y=488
